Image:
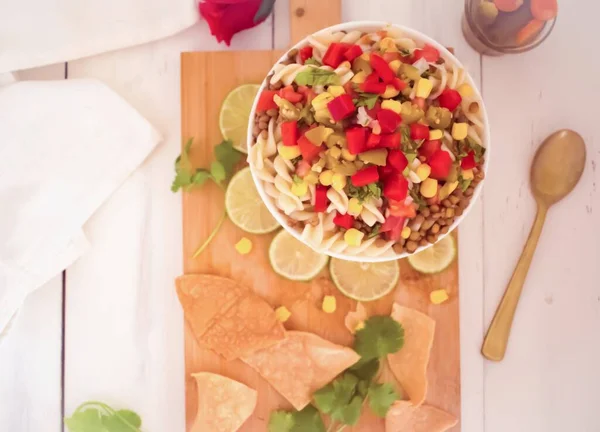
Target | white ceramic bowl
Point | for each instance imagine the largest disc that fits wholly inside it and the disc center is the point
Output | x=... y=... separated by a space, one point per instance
x=369 y=26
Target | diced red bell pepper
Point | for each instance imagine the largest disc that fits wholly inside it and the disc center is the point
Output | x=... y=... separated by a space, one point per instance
x=395 y=188
x=386 y=171
x=335 y=54
x=288 y=93
x=429 y=147
x=440 y=163
x=308 y=150
x=373 y=111
x=382 y=68
x=420 y=103
x=343 y=220
x=397 y=160
x=289 y=133
x=303 y=168
x=373 y=141
x=449 y=99
x=392 y=227
x=308 y=93
x=468 y=161
x=388 y=120
x=265 y=101
x=341 y=107
x=356 y=139
x=353 y=52
x=365 y=176
x=399 y=84
x=391 y=141
x=372 y=85
x=429 y=53
x=401 y=209
x=321 y=200
x=305 y=53
x=419 y=131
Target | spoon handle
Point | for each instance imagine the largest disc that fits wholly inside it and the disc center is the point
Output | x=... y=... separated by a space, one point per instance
x=494 y=345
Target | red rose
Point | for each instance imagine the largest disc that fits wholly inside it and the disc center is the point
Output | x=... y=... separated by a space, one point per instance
x=227 y=17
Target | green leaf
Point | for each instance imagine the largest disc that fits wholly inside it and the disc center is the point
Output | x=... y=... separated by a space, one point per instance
x=381 y=398
x=217 y=171
x=375 y=230
x=308 y=420
x=404 y=52
x=367 y=100
x=374 y=190
x=366 y=370
x=316 y=76
x=407 y=143
x=464 y=184
x=362 y=388
x=281 y=421
x=363 y=192
x=416 y=196
x=228 y=156
x=313 y=61
x=200 y=177
x=130 y=417
x=89 y=420
x=410 y=156
x=350 y=413
x=381 y=335
x=183 y=168
x=476 y=148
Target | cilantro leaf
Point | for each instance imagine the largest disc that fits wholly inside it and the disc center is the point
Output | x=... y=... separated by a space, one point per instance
x=313 y=61
x=228 y=156
x=281 y=421
x=464 y=184
x=316 y=76
x=308 y=420
x=364 y=192
x=381 y=335
x=350 y=413
x=407 y=143
x=414 y=193
x=366 y=99
x=366 y=370
x=130 y=417
x=374 y=189
x=183 y=168
x=375 y=230
x=89 y=420
x=98 y=417
x=476 y=148
x=381 y=398
x=199 y=177
x=217 y=171
x=336 y=394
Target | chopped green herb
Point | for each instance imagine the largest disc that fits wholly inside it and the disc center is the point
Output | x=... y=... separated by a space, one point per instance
x=477 y=149
x=364 y=192
x=464 y=184
x=404 y=52
x=367 y=100
x=407 y=143
x=306 y=115
x=296 y=160
x=381 y=398
x=381 y=335
x=375 y=231
x=366 y=370
x=313 y=61
x=316 y=76
x=96 y=416
x=417 y=198
x=307 y=420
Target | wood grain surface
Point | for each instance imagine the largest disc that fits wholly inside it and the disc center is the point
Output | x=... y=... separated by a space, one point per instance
x=206 y=78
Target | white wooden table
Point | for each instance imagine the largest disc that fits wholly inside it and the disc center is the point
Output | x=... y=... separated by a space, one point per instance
x=110 y=328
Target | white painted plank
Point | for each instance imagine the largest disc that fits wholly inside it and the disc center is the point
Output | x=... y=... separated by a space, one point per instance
x=124 y=340
x=548 y=380
x=30 y=356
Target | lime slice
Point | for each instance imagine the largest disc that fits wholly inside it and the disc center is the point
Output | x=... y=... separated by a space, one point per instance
x=435 y=258
x=245 y=207
x=294 y=260
x=364 y=281
x=235 y=115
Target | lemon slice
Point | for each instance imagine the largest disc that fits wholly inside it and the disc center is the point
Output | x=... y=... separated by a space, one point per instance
x=245 y=207
x=436 y=258
x=235 y=115
x=294 y=260
x=364 y=281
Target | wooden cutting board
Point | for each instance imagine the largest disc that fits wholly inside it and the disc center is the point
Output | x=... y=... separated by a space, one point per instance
x=206 y=78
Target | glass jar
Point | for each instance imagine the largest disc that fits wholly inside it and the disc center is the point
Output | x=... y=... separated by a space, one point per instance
x=496 y=27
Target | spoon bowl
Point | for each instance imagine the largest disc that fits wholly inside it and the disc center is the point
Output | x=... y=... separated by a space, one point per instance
x=555 y=170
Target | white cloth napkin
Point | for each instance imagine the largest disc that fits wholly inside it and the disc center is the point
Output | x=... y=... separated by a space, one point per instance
x=41 y=32
x=65 y=146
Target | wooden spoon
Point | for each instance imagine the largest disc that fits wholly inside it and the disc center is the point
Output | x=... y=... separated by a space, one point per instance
x=556 y=168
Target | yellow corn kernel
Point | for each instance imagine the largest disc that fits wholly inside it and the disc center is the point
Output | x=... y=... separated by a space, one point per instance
x=423 y=171
x=353 y=237
x=390 y=92
x=336 y=90
x=288 y=152
x=320 y=101
x=459 y=131
x=395 y=66
x=244 y=246
x=299 y=188
x=338 y=182
x=393 y=105
x=347 y=156
x=429 y=188
x=329 y=304
x=366 y=56
x=438 y=296
x=354 y=207
x=467 y=174
x=282 y=314
x=465 y=90
x=387 y=44
x=359 y=326
x=326 y=178
x=406 y=231
x=435 y=134
x=424 y=87
x=447 y=189
x=335 y=152
x=359 y=78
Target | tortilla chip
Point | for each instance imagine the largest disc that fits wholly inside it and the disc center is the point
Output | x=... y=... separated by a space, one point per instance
x=404 y=416
x=301 y=364
x=226 y=317
x=223 y=404
x=409 y=365
x=354 y=318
